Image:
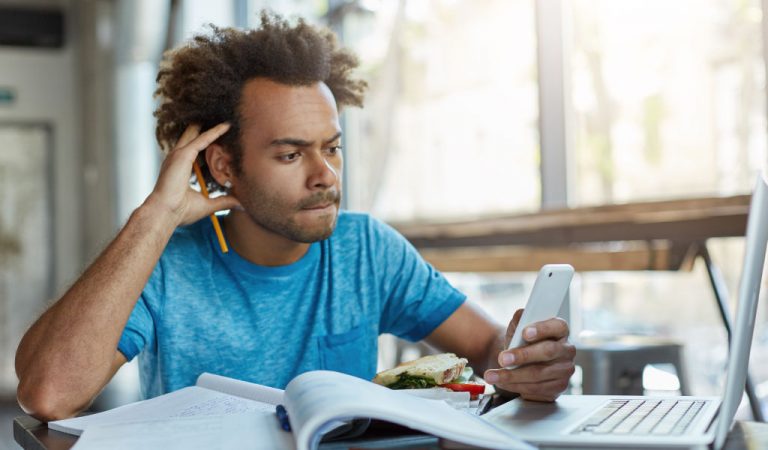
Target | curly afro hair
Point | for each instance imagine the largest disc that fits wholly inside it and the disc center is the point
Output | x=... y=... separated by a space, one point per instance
x=201 y=83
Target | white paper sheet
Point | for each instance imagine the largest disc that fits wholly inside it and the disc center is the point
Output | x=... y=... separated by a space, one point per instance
x=458 y=400
x=254 y=430
x=188 y=402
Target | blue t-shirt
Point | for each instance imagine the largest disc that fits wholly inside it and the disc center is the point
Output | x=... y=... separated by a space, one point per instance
x=206 y=311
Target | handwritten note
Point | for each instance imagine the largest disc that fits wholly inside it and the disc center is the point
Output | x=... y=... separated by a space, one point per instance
x=223 y=404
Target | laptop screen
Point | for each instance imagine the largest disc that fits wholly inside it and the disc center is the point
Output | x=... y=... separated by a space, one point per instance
x=749 y=288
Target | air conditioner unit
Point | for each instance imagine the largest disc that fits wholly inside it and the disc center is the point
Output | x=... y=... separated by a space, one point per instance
x=31 y=27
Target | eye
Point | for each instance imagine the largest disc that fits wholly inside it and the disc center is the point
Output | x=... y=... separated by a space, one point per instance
x=334 y=150
x=288 y=157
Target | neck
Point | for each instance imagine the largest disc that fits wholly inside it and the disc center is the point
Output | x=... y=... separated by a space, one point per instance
x=259 y=245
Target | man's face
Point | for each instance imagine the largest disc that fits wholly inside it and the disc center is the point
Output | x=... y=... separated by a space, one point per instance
x=290 y=182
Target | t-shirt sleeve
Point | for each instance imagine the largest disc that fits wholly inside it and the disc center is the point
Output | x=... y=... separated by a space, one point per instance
x=139 y=331
x=416 y=298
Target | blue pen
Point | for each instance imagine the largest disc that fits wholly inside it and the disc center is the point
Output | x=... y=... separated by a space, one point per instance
x=282 y=416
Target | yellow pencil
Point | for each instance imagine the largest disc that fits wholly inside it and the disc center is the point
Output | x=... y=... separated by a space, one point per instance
x=214 y=219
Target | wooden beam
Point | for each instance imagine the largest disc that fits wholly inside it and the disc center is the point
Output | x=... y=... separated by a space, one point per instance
x=675 y=221
x=658 y=255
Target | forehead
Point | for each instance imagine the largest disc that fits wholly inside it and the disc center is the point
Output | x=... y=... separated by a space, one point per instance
x=271 y=110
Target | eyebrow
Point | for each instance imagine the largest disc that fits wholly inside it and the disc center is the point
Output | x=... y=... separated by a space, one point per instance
x=296 y=142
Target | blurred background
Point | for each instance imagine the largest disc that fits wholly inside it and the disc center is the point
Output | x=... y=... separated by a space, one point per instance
x=476 y=109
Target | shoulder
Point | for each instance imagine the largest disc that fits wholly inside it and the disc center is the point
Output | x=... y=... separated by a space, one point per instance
x=362 y=232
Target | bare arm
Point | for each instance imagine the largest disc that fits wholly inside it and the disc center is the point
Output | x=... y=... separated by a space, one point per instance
x=70 y=352
x=472 y=335
x=68 y=355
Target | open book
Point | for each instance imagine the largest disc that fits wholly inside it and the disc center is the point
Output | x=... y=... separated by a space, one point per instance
x=317 y=402
x=212 y=395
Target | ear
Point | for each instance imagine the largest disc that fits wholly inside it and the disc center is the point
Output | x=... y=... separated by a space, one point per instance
x=219 y=162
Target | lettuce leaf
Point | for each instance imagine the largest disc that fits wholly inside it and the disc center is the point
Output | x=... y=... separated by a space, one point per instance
x=408 y=381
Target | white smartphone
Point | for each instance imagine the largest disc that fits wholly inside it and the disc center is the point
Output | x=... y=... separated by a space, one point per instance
x=546 y=298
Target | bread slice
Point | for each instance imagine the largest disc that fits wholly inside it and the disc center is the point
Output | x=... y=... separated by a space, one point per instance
x=441 y=369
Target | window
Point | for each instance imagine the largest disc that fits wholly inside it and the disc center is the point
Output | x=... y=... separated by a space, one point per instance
x=668 y=98
x=449 y=128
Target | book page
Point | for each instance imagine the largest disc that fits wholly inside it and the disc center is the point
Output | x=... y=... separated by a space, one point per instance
x=315 y=398
x=188 y=402
x=253 y=430
x=241 y=388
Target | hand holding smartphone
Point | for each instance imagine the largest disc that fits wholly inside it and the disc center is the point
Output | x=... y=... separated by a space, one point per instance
x=546 y=298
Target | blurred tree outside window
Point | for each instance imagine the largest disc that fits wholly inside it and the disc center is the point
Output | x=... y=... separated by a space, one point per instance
x=449 y=129
x=668 y=98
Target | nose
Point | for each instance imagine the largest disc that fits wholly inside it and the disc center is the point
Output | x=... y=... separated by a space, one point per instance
x=323 y=173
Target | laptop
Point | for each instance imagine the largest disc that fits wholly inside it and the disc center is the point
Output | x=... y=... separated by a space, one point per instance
x=600 y=421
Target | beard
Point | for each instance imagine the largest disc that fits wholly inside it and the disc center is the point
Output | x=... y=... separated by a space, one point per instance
x=274 y=213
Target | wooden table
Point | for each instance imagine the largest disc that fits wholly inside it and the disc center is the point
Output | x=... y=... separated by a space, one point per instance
x=31 y=434
x=663 y=235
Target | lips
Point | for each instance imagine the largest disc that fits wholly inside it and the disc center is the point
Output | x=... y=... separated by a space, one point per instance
x=323 y=206
x=320 y=201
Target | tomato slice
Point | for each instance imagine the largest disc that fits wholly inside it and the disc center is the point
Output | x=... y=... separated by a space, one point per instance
x=474 y=389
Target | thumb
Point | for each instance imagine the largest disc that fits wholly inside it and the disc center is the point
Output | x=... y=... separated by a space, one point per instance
x=222 y=203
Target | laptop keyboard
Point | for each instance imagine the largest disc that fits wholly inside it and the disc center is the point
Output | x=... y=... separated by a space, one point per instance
x=646 y=416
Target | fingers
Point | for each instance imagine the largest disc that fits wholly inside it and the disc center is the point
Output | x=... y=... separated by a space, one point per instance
x=543 y=392
x=554 y=328
x=189 y=133
x=544 y=366
x=201 y=206
x=542 y=382
x=224 y=202
x=542 y=351
x=192 y=142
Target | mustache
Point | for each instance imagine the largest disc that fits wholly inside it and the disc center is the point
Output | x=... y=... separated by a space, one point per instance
x=320 y=198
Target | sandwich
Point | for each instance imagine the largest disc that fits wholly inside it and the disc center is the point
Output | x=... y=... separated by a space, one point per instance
x=444 y=370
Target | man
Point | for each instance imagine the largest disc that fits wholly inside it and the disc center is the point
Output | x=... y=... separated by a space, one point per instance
x=303 y=287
